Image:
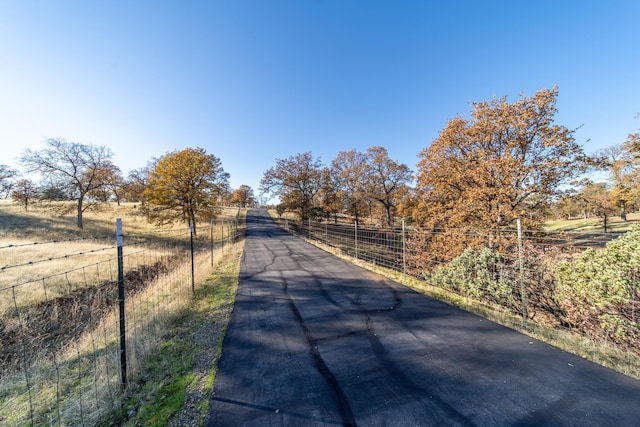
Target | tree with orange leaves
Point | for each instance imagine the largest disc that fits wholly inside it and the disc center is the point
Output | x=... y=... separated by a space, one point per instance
x=185 y=186
x=508 y=160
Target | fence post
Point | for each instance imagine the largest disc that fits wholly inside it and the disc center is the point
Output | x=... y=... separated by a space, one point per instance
x=523 y=293
x=356 y=236
x=326 y=232
x=123 y=335
x=193 y=271
x=404 y=255
x=211 y=240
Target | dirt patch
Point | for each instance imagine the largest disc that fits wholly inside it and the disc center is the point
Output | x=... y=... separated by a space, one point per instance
x=47 y=327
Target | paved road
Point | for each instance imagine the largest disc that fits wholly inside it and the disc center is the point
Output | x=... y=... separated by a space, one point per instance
x=316 y=341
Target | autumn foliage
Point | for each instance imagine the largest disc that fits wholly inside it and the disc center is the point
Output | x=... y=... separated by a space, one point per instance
x=185 y=185
x=506 y=162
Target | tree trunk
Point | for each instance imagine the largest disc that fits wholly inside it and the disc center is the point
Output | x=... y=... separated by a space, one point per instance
x=605 y=222
x=389 y=218
x=80 y=200
x=623 y=211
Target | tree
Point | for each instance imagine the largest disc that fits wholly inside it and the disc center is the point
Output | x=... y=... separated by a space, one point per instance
x=184 y=186
x=507 y=161
x=243 y=196
x=115 y=183
x=632 y=149
x=296 y=180
x=330 y=193
x=570 y=206
x=112 y=177
x=618 y=163
x=24 y=192
x=387 y=180
x=136 y=182
x=55 y=193
x=7 y=176
x=352 y=172
x=599 y=201
x=82 y=167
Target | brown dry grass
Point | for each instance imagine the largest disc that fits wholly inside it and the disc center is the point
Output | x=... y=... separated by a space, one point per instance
x=67 y=287
x=44 y=255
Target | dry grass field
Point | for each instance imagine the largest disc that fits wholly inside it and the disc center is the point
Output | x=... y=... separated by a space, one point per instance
x=44 y=243
x=59 y=311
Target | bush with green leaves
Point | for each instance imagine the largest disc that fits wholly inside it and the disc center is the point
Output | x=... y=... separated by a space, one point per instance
x=600 y=290
x=476 y=273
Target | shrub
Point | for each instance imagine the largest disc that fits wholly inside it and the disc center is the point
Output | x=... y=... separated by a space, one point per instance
x=600 y=290
x=476 y=273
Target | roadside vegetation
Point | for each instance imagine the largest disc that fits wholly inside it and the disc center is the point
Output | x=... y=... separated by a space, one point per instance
x=584 y=302
x=59 y=308
x=504 y=211
x=175 y=388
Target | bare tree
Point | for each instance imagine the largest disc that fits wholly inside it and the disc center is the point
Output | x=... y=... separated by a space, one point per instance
x=7 y=176
x=84 y=168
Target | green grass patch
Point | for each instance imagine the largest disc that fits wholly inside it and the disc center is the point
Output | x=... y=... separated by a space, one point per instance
x=183 y=372
x=164 y=384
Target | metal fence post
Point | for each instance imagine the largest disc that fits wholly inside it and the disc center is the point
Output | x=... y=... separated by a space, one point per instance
x=326 y=232
x=123 y=335
x=193 y=270
x=211 y=240
x=523 y=293
x=404 y=254
x=356 y=236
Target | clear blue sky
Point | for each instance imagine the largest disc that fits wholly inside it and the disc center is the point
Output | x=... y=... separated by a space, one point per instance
x=255 y=80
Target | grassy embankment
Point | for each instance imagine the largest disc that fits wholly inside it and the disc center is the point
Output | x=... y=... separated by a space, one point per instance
x=177 y=384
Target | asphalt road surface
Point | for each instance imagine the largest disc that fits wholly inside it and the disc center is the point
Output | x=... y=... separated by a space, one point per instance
x=314 y=341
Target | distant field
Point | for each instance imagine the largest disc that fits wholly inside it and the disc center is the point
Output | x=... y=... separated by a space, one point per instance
x=58 y=220
x=593 y=225
x=46 y=242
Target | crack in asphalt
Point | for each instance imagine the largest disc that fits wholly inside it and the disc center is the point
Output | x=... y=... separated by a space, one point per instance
x=379 y=350
x=355 y=306
x=343 y=404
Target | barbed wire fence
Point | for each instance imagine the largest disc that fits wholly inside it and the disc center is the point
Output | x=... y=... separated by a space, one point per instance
x=514 y=269
x=66 y=358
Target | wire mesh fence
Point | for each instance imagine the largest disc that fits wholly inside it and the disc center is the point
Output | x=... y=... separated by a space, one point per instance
x=61 y=359
x=544 y=277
